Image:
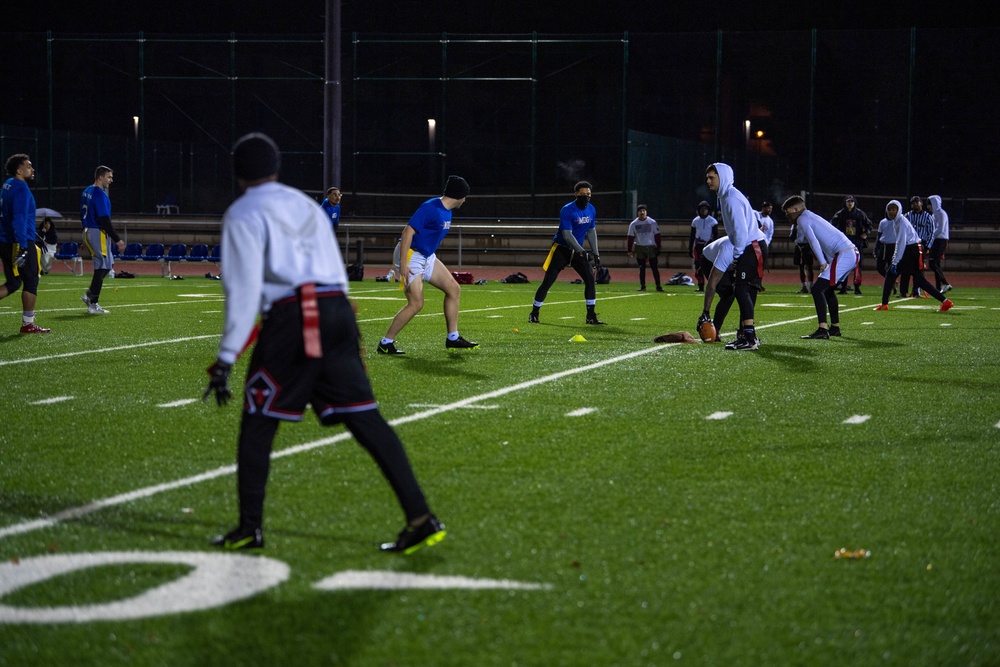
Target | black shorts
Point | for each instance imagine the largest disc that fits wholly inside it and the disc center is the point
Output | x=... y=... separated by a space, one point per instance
x=750 y=266
x=803 y=255
x=282 y=380
x=26 y=275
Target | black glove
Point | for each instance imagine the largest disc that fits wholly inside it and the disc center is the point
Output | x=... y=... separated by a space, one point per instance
x=218 y=382
x=732 y=268
x=597 y=260
x=21 y=258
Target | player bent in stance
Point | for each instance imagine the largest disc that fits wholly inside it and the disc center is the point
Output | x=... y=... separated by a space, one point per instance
x=577 y=221
x=749 y=250
x=907 y=260
x=283 y=262
x=837 y=256
x=419 y=264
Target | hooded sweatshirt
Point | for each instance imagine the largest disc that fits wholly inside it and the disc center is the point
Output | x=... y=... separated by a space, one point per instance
x=940 y=218
x=737 y=214
x=905 y=233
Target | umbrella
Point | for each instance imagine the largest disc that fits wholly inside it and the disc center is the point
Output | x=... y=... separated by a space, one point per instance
x=47 y=213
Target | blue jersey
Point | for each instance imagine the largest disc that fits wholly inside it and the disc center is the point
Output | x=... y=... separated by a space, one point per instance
x=431 y=222
x=17 y=213
x=577 y=221
x=94 y=204
x=332 y=210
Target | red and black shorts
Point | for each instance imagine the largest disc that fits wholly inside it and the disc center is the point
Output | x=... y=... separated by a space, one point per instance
x=282 y=380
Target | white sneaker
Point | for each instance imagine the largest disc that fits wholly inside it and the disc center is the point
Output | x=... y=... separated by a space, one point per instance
x=945 y=289
x=85 y=299
x=95 y=309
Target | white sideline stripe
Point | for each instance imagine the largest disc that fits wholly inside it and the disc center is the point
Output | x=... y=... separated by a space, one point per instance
x=719 y=415
x=107 y=349
x=149 y=491
x=387 y=580
x=438 y=405
x=177 y=404
x=857 y=419
x=118 y=305
x=54 y=399
x=579 y=412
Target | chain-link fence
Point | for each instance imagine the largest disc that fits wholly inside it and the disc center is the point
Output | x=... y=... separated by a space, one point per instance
x=522 y=117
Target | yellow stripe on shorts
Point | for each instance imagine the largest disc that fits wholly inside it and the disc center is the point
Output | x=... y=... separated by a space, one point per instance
x=548 y=260
x=402 y=280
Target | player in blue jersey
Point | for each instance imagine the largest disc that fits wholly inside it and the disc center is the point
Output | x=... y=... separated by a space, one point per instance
x=17 y=239
x=577 y=221
x=419 y=264
x=98 y=234
x=332 y=206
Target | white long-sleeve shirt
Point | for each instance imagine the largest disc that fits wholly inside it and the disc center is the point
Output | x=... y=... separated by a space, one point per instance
x=737 y=214
x=720 y=253
x=274 y=238
x=824 y=239
x=905 y=235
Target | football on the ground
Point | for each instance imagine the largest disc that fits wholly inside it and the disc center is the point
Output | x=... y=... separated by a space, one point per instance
x=706 y=330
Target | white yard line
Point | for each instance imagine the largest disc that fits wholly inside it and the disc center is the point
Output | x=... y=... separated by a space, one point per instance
x=149 y=491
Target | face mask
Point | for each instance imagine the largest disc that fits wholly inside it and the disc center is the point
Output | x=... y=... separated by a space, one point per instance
x=582 y=201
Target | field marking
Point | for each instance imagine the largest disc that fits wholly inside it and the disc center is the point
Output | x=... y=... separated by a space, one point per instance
x=118 y=348
x=177 y=404
x=438 y=405
x=113 y=305
x=149 y=491
x=997 y=425
x=395 y=581
x=719 y=415
x=856 y=419
x=54 y=399
x=579 y=412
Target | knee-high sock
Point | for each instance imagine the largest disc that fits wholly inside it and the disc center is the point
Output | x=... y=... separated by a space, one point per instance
x=96 y=283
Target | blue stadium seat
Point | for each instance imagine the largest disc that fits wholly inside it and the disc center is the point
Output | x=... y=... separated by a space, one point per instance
x=199 y=253
x=69 y=251
x=215 y=255
x=133 y=251
x=154 y=252
x=176 y=253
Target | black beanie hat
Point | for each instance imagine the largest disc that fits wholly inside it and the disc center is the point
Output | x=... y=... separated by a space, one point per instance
x=255 y=156
x=456 y=188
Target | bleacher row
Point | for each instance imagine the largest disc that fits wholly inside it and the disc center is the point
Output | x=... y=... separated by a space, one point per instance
x=69 y=251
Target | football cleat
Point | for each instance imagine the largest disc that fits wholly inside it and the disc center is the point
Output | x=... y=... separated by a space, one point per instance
x=533 y=317
x=835 y=331
x=592 y=319
x=32 y=328
x=460 y=344
x=946 y=288
x=240 y=539
x=946 y=305
x=412 y=538
x=86 y=297
x=819 y=334
x=388 y=349
x=882 y=306
x=95 y=309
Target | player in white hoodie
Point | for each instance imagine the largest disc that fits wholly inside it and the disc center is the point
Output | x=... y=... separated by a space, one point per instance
x=907 y=260
x=941 y=234
x=749 y=250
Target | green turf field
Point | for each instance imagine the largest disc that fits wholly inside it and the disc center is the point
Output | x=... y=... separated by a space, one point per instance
x=612 y=502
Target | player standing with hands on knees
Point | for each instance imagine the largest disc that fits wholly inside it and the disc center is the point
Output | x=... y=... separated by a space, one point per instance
x=98 y=234
x=419 y=263
x=837 y=256
x=749 y=250
x=577 y=221
x=283 y=263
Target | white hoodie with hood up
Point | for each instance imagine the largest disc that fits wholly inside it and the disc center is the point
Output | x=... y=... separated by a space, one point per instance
x=737 y=214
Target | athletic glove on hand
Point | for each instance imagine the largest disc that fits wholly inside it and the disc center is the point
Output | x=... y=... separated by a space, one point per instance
x=21 y=258
x=705 y=317
x=218 y=382
x=597 y=260
x=893 y=270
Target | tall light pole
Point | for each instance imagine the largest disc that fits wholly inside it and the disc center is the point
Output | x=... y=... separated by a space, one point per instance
x=431 y=150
